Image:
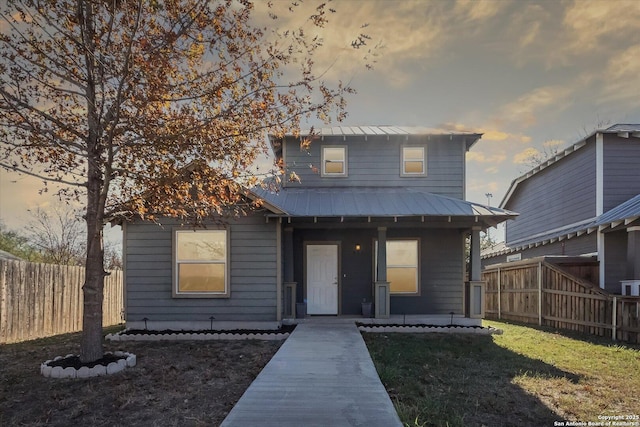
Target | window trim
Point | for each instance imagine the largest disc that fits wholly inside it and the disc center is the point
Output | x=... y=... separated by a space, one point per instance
x=403 y=172
x=175 y=264
x=345 y=172
x=417 y=293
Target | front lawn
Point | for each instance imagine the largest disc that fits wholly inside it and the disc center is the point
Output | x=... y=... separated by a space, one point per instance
x=175 y=383
x=524 y=377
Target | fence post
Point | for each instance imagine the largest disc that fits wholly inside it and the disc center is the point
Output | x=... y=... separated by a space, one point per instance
x=614 y=319
x=540 y=293
x=499 y=296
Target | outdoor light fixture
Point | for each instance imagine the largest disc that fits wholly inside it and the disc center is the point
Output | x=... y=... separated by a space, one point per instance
x=358 y=248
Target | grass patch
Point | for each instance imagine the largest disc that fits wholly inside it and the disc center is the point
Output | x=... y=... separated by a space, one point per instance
x=524 y=377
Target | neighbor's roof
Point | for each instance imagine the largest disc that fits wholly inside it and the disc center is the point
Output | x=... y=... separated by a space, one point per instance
x=8 y=256
x=623 y=130
x=372 y=202
x=623 y=214
x=626 y=212
x=365 y=131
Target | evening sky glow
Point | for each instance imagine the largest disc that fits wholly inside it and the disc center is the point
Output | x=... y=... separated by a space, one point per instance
x=530 y=75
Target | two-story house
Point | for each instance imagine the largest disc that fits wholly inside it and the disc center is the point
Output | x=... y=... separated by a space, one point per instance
x=378 y=217
x=583 y=201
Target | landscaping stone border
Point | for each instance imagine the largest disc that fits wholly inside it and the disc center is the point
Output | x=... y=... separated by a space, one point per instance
x=421 y=329
x=197 y=336
x=129 y=360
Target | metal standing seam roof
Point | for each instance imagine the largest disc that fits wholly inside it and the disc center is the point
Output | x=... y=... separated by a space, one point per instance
x=348 y=131
x=374 y=202
x=384 y=130
x=624 y=213
x=627 y=212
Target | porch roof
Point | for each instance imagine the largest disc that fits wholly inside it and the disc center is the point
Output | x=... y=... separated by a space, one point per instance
x=373 y=202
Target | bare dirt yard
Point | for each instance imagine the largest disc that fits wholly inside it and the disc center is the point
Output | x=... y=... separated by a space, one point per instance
x=194 y=383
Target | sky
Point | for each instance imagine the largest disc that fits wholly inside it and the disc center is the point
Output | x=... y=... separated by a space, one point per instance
x=532 y=76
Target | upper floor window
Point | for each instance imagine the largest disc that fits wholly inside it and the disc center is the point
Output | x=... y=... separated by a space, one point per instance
x=334 y=161
x=200 y=268
x=414 y=161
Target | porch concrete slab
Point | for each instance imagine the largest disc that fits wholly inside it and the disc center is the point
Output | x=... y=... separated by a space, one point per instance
x=321 y=376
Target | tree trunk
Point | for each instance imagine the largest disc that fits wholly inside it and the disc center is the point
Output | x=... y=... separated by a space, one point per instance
x=93 y=289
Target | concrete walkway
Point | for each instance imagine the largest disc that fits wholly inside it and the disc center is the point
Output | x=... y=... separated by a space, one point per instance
x=321 y=376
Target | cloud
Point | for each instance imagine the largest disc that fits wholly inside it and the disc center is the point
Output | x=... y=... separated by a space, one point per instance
x=595 y=25
x=478 y=10
x=414 y=33
x=525 y=156
x=553 y=143
x=483 y=186
x=481 y=157
x=622 y=76
x=524 y=110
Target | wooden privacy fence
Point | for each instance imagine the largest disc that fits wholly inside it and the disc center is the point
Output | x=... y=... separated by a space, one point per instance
x=40 y=300
x=538 y=292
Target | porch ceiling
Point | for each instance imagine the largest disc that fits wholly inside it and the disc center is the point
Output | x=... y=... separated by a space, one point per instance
x=352 y=202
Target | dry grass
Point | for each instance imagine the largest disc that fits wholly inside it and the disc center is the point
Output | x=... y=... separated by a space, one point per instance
x=174 y=384
x=523 y=377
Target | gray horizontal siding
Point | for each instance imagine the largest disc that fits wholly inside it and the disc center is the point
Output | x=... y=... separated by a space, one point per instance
x=581 y=245
x=253 y=268
x=561 y=194
x=376 y=163
x=441 y=274
x=621 y=170
x=615 y=255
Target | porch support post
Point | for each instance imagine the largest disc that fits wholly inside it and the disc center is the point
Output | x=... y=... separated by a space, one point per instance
x=288 y=254
x=475 y=255
x=381 y=286
x=474 y=289
x=382 y=254
x=289 y=285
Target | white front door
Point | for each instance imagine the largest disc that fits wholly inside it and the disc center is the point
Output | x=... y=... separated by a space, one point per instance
x=322 y=279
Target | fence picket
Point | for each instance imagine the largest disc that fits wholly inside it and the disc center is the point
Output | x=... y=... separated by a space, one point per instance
x=558 y=299
x=39 y=300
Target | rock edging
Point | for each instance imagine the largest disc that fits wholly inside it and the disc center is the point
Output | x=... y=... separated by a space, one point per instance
x=198 y=336
x=419 y=329
x=128 y=361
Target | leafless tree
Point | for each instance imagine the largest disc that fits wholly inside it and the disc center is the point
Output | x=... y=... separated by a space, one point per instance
x=58 y=234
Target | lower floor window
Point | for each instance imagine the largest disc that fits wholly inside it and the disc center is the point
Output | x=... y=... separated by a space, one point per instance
x=200 y=263
x=402 y=266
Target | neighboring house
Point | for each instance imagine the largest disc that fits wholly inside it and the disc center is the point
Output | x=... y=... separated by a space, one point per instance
x=4 y=255
x=378 y=216
x=583 y=201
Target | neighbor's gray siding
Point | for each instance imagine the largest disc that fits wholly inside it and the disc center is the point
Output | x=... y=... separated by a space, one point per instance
x=376 y=163
x=148 y=273
x=581 y=245
x=615 y=255
x=621 y=170
x=562 y=194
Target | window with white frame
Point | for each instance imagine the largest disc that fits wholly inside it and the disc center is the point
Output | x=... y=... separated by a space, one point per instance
x=200 y=268
x=414 y=161
x=334 y=161
x=402 y=266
